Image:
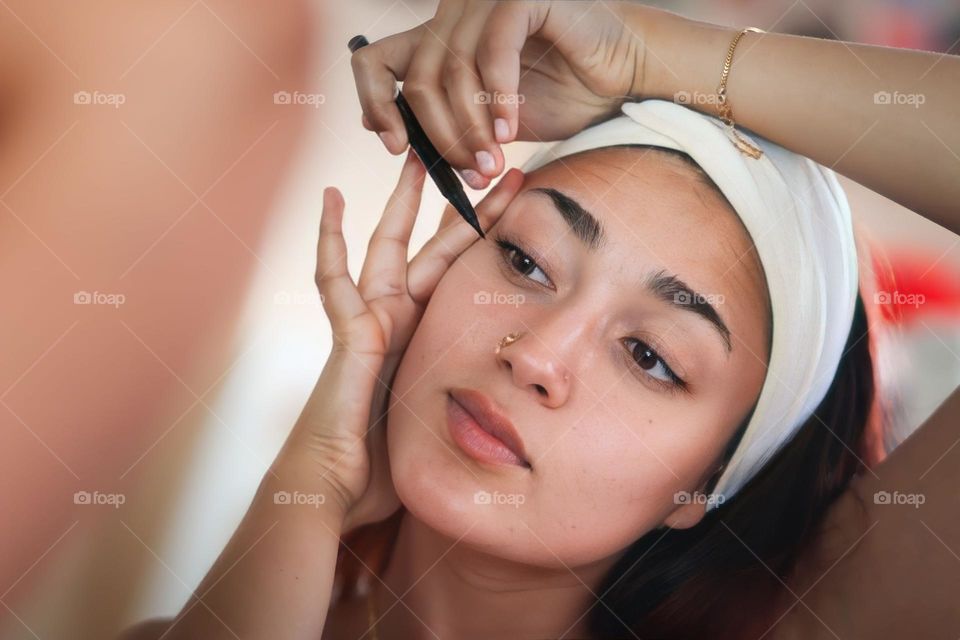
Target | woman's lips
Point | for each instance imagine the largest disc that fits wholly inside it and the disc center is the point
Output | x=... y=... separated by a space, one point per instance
x=481 y=431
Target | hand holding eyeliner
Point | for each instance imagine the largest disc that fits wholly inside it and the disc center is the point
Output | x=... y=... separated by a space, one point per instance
x=438 y=168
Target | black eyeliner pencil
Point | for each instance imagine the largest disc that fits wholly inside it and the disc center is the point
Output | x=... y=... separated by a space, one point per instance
x=438 y=168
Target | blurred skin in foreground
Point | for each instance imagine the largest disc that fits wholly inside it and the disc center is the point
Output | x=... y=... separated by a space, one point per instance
x=150 y=187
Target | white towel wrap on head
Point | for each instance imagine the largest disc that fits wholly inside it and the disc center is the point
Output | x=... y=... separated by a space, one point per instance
x=799 y=220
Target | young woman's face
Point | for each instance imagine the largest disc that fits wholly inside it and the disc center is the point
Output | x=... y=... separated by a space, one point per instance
x=610 y=436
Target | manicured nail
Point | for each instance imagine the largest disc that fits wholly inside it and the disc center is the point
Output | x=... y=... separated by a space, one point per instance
x=473 y=178
x=485 y=161
x=501 y=129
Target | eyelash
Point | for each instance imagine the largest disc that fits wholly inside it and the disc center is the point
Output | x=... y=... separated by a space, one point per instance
x=513 y=245
x=675 y=385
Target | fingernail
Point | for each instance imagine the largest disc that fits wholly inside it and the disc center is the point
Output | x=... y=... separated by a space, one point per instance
x=387 y=138
x=485 y=161
x=501 y=129
x=473 y=178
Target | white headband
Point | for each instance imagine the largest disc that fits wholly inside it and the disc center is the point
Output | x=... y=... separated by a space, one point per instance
x=798 y=218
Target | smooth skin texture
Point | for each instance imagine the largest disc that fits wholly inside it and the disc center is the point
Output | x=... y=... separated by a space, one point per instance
x=835 y=592
x=164 y=200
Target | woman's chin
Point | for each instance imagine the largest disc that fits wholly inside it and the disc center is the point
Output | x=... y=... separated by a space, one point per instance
x=438 y=491
x=448 y=499
x=493 y=508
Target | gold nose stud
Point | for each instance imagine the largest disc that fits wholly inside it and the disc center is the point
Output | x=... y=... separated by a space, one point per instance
x=507 y=340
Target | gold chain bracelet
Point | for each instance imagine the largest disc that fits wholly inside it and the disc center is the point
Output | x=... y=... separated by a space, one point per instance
x=726 y=112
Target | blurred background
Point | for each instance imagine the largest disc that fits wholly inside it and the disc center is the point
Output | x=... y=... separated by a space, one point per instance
x=161 y=184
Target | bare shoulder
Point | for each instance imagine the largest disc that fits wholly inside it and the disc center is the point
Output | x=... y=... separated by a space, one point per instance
x=882 y=563
x=816 y=582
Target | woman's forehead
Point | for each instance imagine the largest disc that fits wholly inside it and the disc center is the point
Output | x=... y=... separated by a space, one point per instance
x=612 y=175
x=634 y=194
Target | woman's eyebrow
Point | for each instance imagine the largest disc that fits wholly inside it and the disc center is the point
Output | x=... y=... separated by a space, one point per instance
x=664 y=285
x=584 y=225
x=674 y=291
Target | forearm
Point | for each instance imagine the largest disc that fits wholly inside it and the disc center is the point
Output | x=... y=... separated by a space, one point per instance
x=275 y=576
x=816 y=97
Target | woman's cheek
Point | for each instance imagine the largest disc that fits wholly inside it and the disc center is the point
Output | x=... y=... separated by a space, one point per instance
x=615 y=477
x=440 y=342
x=589 y=500
x=448 y=348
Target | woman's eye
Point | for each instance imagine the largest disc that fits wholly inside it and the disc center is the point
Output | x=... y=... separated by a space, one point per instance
x=653 y=365
x=522 y=263
x=643 y=356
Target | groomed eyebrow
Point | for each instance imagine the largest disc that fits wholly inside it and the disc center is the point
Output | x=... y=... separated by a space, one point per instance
x=672 y=290
x=666 y=286
x=583 y=224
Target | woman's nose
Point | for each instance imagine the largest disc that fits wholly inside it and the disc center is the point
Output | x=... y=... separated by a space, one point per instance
x=537 y=368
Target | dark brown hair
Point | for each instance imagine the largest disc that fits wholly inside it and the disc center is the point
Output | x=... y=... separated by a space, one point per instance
x=710 y=579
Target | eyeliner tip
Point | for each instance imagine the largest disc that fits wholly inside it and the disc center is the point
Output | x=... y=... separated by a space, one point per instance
x=465 y=209
x=476 y=225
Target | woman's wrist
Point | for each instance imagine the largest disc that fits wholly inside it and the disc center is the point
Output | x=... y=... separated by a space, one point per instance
x=294 y=482
x=682 y=59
